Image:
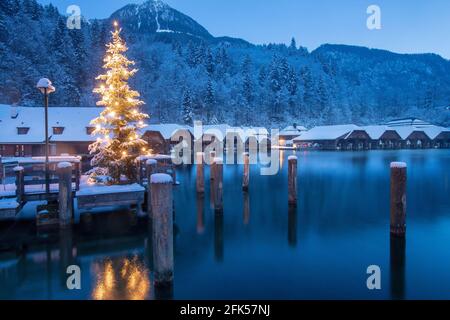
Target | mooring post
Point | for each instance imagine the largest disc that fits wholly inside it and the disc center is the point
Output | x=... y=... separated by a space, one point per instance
x=398 y=199
x=246 y=208
x=292 y=180
x=200 y=173
x=212 y=190
x=200 y=214
x=150 y=168
x=77 y=175
x=140 y=176
x=212 y=156
x=218 y=185
x=162 y=209
x=246 y=179
x=65 y=202
x=20 y=183
x=174 y=174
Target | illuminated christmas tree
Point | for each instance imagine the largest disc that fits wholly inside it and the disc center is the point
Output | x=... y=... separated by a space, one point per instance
x=118 y=125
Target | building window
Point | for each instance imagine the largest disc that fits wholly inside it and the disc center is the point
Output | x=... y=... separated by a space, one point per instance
x=89 y=130
x=22 y=130
x=58 y=130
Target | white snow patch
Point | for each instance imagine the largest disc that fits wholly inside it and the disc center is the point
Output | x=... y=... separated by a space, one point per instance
x=398 y=165
x=161 y=157
x=44 y=83
x=18 y=168
x=8 y=204
x=161 y=178
x=328 y=132
x=98 y=189
x=63 y=165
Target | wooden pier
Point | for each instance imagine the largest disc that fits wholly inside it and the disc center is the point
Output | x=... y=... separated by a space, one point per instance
x=63 y=186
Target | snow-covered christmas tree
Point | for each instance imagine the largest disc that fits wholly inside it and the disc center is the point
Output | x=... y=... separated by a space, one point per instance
x=118 y=125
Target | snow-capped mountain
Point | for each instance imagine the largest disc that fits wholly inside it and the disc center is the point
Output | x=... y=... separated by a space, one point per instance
x=155 y=16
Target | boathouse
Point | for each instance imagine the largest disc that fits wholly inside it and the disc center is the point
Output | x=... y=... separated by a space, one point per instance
x=414 y=138
x=442 y=140
x=23 y=130
x=286 y=136
x=337 y=137
x=161 y=137
x=383 y=137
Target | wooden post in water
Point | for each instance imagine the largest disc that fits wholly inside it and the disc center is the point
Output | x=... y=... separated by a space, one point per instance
x=398 y=199
x=162 y=208
x=65 y=208
x=246 y=179
x=150 y=168
x=200 y=173
x=218 y=185
x=292 y=181
x=20 y=183
x=212 y=189
x=246 y=208
x=174 y=174
x=200 y=214
x=212 y=156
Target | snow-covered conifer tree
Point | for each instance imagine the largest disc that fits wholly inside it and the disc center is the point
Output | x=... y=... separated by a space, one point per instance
x=187 y=107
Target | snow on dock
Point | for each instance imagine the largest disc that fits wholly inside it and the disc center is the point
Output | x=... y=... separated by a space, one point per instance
x=102 y=189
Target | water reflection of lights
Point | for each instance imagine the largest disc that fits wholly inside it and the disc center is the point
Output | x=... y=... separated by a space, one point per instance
x=281 y=158
x=121 y=279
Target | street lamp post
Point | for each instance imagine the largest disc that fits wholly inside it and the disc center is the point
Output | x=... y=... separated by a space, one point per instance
x=45 y=86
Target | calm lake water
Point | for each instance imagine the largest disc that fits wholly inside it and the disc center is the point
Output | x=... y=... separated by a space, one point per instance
x=259 y=248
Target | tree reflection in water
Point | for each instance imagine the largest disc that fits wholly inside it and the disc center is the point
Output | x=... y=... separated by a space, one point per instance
x=121 y=279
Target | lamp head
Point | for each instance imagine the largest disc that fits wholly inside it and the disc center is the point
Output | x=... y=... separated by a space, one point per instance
x=45 y=86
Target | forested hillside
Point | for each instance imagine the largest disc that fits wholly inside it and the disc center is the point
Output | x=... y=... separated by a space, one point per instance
x=186 y=73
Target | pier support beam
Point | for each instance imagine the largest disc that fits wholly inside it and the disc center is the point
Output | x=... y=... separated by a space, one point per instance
x=200 y=182
x=292 y=181
x=150 y=168
x=65 y=201
x=218 y=185
x=162 y=208
x=398 y=199
x=246 y=178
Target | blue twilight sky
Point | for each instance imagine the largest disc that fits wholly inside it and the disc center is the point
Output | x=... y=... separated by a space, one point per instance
x=408 y=26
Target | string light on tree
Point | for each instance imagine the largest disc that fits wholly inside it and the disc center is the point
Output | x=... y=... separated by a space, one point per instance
x=121 y=119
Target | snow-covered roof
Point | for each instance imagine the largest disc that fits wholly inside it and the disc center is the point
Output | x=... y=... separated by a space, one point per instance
x=375 y=132
x=167 y=130
x=405 y=132
x=74 y=120
x=292 y=131
x=246 y=132
x=408 y=122
x=217 y=130
x=327 y=132
x=433 y=131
